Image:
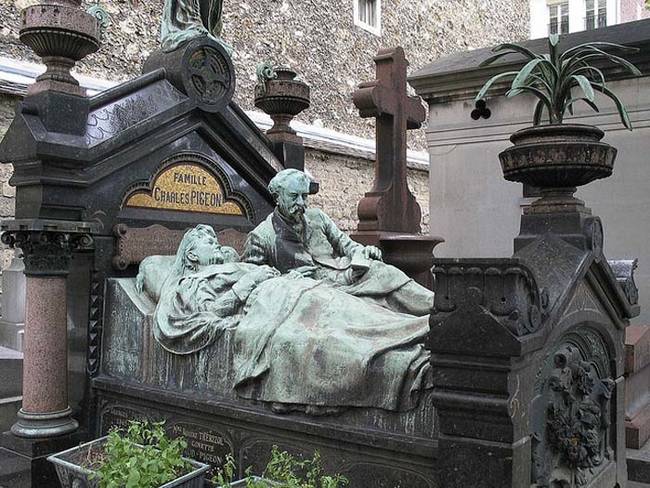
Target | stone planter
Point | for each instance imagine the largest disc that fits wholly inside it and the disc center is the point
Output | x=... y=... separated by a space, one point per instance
x=282 y=97
x=72 y=475
x=557 y=159
x=557 y=156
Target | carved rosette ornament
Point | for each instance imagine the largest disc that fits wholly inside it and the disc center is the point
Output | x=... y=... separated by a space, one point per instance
x=201 y=69
x=571 y=444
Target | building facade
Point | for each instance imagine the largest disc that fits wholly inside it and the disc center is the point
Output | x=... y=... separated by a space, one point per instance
x=566 y=16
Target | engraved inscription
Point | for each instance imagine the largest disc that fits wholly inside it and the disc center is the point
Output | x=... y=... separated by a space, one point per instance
x=203 y=444
x=119 y=416
x=186 y=187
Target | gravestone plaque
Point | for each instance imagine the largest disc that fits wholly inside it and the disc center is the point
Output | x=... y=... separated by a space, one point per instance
x=119 y=416
x=185 y=183
x=203 y=443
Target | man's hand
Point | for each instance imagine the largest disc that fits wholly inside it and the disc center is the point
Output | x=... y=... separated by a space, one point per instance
x=372 y=252
x=303 y=272
x=264 y=273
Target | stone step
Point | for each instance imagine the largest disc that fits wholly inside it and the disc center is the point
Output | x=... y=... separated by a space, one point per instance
x=8 y=409
x=11 y=373
x=638 y=464
x=15 y=471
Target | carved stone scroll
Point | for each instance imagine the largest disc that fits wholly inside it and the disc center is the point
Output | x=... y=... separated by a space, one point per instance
x=505 y=288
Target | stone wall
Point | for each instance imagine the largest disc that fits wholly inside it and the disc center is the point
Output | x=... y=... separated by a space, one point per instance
x=634 y=10
x=344 y=180
x=7 y=192
x=316 y=37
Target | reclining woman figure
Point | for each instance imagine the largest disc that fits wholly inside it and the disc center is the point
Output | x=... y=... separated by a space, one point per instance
x=299 y=343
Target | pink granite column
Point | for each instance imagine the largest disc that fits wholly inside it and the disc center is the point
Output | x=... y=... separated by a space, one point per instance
x=45 y=411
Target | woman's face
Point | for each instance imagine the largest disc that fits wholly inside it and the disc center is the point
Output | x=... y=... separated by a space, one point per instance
x=206 y=250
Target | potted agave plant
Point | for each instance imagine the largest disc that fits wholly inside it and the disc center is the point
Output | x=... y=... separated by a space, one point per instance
x=557 y=157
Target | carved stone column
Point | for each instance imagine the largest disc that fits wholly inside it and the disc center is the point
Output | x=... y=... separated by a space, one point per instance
x=47 y=247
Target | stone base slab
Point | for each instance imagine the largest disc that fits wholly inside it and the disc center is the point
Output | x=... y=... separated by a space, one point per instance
x=637 y=429
x=11 y=373
x=23 y=463
x=8 y=409
x=215 y=427
x=638 y=464
x=637 y=348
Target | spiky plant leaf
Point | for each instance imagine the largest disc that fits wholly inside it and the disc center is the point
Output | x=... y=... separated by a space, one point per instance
x=585 y=86
x=522 y=77
x=491 y=81
x=516 y=48
x=539 y=110
x=494 y=58
x=622 y=111
x=588 y=45
x=570 y=103
x=599 y=53
x=591 y=71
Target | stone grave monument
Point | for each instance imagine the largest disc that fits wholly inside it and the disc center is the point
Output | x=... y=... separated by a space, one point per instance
x=455 y=393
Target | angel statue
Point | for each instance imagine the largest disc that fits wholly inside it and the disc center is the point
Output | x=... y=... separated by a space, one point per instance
x=183 y=20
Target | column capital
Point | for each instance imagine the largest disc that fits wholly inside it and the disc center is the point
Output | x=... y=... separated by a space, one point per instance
x=47 y=245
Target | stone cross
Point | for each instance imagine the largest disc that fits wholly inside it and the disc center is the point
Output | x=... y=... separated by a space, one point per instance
x=390 y=206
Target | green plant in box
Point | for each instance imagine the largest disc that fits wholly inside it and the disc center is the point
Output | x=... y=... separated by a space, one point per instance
x=283 y=471
x=142 y=458
x=560 y=79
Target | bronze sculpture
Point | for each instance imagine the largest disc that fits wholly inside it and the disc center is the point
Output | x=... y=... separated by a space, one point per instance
x=183 y=20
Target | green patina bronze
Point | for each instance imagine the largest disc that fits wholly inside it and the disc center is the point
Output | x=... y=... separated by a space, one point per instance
x=183 y=20
x=305 y=240
x=307 y=303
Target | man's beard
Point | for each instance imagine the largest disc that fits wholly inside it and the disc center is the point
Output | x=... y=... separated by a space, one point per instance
x=295 y=213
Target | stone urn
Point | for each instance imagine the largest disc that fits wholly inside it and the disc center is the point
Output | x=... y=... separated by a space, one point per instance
x=282 y=97
x=61 y=34
x=557 y=159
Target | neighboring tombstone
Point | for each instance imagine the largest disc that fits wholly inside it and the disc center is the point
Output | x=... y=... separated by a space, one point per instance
x=637 y=394
x=389 y=214
x=528 y=351
x=12 y=323
x=464 y=139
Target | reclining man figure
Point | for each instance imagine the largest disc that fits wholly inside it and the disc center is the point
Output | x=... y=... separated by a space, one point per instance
x=306 y=241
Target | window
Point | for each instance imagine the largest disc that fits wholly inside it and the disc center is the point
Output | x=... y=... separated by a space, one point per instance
x=596 y=14
x=367 y=15
x=559 y=18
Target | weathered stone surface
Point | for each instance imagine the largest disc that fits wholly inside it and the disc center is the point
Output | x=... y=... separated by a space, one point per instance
x=637 y=348
x=343 y=181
